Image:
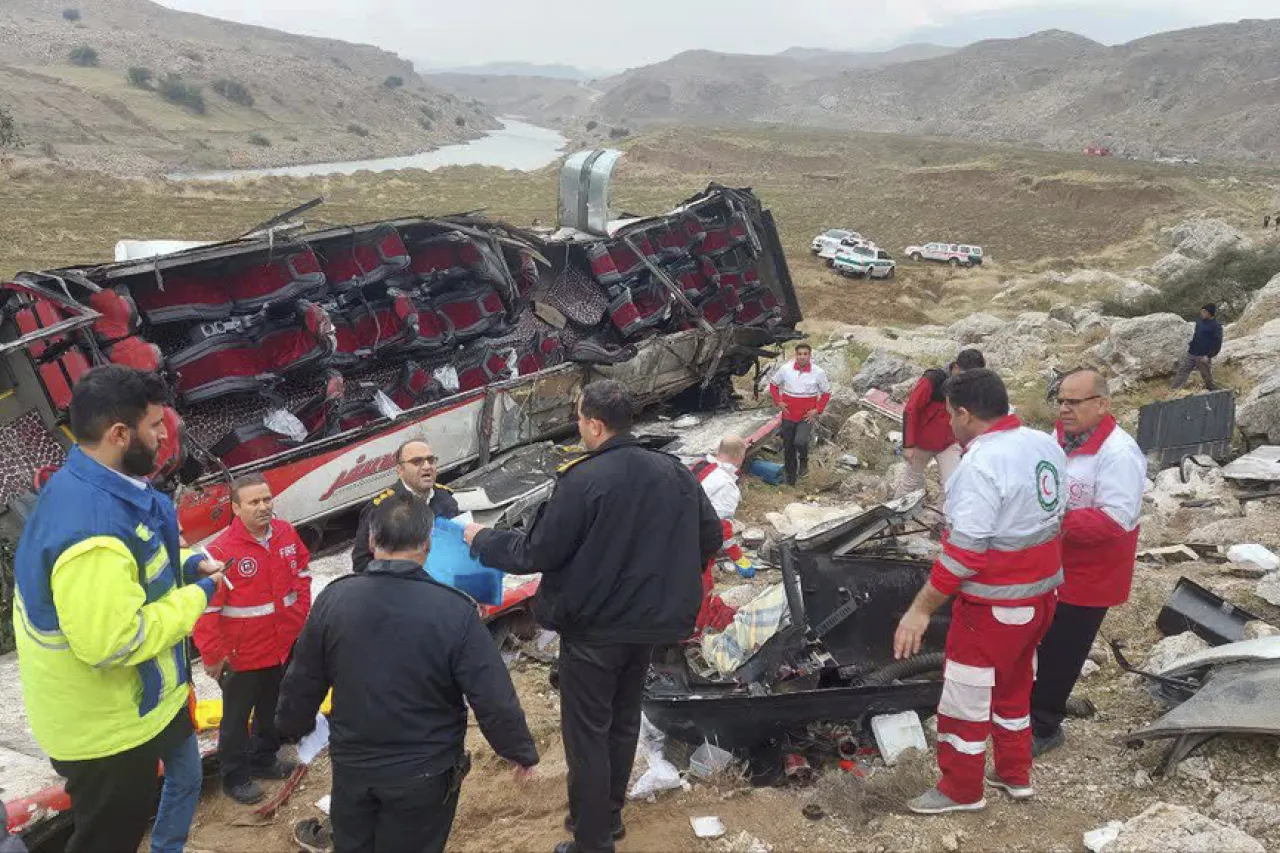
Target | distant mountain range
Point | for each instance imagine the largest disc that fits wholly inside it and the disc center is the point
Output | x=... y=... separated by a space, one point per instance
x=518 y=69
x=1209 y=92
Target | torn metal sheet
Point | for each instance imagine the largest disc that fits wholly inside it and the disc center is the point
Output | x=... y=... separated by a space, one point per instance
x=1238 y=698
x=1191 y=607
x=1200 y=424
x=843 y=535
x=704 y=439
x=1260 y=649
x=1262 y=464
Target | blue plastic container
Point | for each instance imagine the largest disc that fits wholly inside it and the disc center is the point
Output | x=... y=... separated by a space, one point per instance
x=450 y=562
x=770 y=472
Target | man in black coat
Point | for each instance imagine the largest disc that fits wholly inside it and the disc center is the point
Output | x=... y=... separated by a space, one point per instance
x=1206 y=342
x=401 y=653
x=620 y=544
x=416 y=465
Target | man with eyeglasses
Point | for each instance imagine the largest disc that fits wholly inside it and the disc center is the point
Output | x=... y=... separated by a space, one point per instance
x=416 y=465
x=1106 y=475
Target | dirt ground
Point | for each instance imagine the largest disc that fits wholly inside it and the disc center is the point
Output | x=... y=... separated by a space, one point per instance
x=1080 y=787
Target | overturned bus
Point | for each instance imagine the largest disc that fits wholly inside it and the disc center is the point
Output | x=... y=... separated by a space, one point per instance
x=309 y=357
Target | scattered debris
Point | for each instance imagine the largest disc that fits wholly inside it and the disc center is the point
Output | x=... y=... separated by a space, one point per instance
x=797 y=768
x=951 y=842
x=707 y=827
x=1170 y=555
x=897 y=733
x=658 y=774
x=1191 y=607
x=709 y=760
x=813 y=811
x=1142 y=780
x=1168 y=828
x=1097 y=840
x=1258 y=555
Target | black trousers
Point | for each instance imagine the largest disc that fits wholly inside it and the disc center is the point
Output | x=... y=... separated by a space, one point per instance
x=601 y=686
x=1060 y=656
x=242 y=749
x=113 y=799
x=796 y=437
x=410 y=816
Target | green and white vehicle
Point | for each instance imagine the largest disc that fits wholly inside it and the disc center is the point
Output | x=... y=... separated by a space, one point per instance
x=864 y=262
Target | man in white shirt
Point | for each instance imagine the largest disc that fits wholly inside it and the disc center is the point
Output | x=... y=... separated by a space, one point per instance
x=719 y=478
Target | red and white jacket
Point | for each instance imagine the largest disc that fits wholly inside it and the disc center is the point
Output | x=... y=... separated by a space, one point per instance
x=1004 y=507
x=798 y=391
x=255 y=625
x=925 y=422
x=1106 y=478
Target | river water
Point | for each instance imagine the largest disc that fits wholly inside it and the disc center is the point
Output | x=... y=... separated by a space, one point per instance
x=517 y=145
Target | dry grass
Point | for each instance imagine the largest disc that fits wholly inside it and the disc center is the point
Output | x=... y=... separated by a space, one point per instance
x=857 y=800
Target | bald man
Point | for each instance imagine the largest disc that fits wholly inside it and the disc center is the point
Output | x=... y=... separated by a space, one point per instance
x=416 y=467
x=719 y=478
x=1106 y=475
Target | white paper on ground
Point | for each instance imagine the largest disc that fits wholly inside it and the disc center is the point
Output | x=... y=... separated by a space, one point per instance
x=309 y=747
x=707 y=827
x=323 y=803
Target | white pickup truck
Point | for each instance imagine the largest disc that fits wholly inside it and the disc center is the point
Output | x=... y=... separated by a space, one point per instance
x=955 y=254
x=826 y=243
x=864 y=262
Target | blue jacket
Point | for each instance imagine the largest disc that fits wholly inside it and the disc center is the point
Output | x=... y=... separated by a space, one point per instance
x=100 y=612
x=1207 y=340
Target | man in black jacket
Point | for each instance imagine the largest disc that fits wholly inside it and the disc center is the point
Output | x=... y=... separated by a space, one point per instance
x=1206 y=342
x=620 y=544
x=416 y=465
x=400 y=652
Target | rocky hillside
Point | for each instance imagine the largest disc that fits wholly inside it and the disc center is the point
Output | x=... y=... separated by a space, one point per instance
x=1209 y=92
x=547 y=101
x=110 y=83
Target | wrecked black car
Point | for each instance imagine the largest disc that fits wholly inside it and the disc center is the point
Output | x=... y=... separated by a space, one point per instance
x=831 y=661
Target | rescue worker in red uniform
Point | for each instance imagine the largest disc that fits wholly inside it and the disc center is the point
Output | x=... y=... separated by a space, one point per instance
x=247 y=634
x=1106 y=476
x=926 y=426
x=801 y=389
x=1002 y=560
x=718 y=476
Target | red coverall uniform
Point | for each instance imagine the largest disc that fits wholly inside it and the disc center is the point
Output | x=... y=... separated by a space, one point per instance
x=253 y=627
x=1002 y=559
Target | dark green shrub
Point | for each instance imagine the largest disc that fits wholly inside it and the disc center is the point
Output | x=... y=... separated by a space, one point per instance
x=84 y=56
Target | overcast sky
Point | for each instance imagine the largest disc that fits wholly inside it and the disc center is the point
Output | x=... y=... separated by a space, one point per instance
x=611 y=34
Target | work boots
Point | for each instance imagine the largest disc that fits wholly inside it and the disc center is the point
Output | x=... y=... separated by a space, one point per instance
x=245 y=793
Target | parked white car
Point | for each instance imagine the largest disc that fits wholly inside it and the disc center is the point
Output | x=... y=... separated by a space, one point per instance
x=830 y=238
x=955 y=254
x=864 y=262
x=829 y=252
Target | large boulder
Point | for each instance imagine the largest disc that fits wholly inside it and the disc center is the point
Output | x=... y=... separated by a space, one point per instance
x=1172 y=266
x=1257 y=354
x=883 y=370
x=975 y=328
x=1263 y=307
x=1168 y=828
x=1201 y=239
x=1259 y=412
x=1027 y=340
x=1144 y=347
x=843 y=403
x=1255 y=809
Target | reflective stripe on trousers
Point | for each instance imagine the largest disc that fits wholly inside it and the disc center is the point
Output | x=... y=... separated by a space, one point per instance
x=986 y=693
